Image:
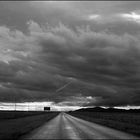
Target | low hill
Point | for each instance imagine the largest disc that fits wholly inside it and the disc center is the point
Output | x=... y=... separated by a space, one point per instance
x=100 y=109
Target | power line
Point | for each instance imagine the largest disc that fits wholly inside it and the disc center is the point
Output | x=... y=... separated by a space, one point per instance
x=63 y=86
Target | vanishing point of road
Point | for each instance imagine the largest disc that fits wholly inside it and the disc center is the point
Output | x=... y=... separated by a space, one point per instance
x=65 y=126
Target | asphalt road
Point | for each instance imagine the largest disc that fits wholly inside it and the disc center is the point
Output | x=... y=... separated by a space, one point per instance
x=65 y=126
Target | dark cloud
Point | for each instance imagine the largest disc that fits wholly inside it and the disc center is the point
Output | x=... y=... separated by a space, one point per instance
x=100 y=61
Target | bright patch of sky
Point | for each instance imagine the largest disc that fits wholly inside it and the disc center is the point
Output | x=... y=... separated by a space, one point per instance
x=132 y=16
x=35 y=106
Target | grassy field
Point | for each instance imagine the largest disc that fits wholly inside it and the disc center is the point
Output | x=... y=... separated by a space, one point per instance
x=22 y=123
x=18 y=114
x=127 y=122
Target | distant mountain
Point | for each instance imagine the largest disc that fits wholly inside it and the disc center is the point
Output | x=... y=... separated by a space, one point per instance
x=100 y=109
x=91 y=109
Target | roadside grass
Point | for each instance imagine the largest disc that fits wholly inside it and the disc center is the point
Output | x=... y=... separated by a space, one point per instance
x=18 y=114
x=14 y=128
x=127 y=122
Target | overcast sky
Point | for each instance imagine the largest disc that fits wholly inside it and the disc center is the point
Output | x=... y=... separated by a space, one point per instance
x=70 y=53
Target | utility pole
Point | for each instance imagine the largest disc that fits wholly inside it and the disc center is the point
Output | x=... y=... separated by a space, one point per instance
x=28 y=106
x=15 y=104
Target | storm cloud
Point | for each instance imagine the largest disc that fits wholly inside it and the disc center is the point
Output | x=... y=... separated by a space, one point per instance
x=100 y=60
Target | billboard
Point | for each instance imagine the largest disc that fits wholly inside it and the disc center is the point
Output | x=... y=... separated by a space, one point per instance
x=47 y=108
